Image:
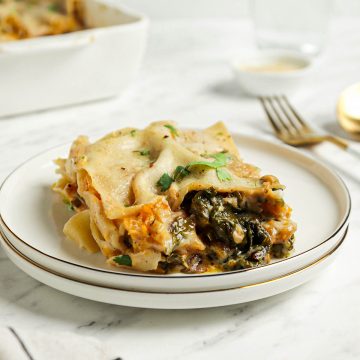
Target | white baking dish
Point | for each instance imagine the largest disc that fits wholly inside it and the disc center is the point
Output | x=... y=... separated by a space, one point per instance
x=87 y=65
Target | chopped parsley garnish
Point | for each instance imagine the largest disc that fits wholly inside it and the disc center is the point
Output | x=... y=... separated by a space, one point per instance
x=220 y=160
x=173 y=131
x=165 y=182
x=123 y=260
x=223 y=175
x=69 y=205
x=180 y=172
x=54 y=7
x=133 y=132
x=144 y=152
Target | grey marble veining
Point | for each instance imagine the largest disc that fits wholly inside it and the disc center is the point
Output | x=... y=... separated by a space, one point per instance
x=186 y=77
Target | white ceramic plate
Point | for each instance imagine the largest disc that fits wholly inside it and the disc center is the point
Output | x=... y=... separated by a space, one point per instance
x=32 y=217
x=169 y=300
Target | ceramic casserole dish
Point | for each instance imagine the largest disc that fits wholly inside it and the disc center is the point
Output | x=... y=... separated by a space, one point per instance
x=59 y=70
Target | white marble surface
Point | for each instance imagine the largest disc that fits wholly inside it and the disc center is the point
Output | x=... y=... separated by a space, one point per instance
x=185 y=77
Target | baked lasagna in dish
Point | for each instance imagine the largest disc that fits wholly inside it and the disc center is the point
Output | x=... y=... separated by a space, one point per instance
x=166 y=200
x=23 y=19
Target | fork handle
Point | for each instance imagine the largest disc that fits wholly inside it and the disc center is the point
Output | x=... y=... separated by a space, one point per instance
x=345 y=145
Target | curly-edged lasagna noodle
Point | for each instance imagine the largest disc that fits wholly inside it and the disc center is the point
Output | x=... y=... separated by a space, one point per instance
x=22 y=19
x=166 y=200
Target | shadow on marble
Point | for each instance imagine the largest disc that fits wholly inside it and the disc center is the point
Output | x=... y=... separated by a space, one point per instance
x=89 y=103
x=335 y=129
x=330 y=125
x=229 y=88
x=2 y=254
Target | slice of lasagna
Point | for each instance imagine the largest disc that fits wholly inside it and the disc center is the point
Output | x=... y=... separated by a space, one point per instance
x=166 y=200
x=22 y=19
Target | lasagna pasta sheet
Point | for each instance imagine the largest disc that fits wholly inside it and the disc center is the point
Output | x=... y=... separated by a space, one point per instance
x=127 y=181
x=122 y=176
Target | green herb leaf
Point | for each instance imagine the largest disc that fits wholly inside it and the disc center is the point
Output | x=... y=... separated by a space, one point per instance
x=173 y=131
x=180 y=172
x=123 y=260
x=220 y=160
x=209 y=164
x=69 y=205
x=144 y=152
x=133 y=132
x=165 y=182
x=54 y=7
x=223 y=175
x=221 y=157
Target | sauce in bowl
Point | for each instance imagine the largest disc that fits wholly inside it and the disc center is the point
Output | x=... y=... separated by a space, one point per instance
x=275 y=67
x=269 y=72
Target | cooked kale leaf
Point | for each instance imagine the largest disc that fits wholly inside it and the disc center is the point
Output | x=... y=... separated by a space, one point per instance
x=219 y=222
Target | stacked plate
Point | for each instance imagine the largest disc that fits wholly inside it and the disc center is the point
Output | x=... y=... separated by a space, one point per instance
x=32 y=217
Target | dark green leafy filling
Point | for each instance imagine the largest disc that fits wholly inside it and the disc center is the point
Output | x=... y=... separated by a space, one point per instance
x=282 y=250
x=180 y=227
x=234 y=236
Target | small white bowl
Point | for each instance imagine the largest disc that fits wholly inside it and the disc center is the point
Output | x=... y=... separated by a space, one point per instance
x=271 y=72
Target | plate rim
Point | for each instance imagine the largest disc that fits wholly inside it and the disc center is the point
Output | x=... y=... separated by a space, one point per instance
x=84 y=282
x=247 y=137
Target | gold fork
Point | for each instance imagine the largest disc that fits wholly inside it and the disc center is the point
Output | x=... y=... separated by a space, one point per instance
x=292 y=129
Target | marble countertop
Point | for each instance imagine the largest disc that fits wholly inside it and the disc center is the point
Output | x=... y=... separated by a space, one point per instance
x=186 y=77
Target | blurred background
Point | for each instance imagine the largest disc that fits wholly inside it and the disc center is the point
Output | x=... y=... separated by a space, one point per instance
x=160 y=9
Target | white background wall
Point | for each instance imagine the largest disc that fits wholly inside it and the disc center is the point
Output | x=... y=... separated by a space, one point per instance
x=160 y=9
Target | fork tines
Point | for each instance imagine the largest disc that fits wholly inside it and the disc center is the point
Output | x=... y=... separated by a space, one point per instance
x=282 y=115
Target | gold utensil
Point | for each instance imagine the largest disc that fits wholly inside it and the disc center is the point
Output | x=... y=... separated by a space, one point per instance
x=292 y=129
x=348 y=110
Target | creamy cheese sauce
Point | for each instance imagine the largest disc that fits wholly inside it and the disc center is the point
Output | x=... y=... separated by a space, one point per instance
x=273 y=67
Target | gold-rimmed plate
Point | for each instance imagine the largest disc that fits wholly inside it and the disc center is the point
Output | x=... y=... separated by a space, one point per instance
x=32 y=218
x=163 y=300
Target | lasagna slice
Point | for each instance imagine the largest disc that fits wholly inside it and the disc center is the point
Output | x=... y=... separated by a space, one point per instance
x=166 y=200
x=22 y=19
